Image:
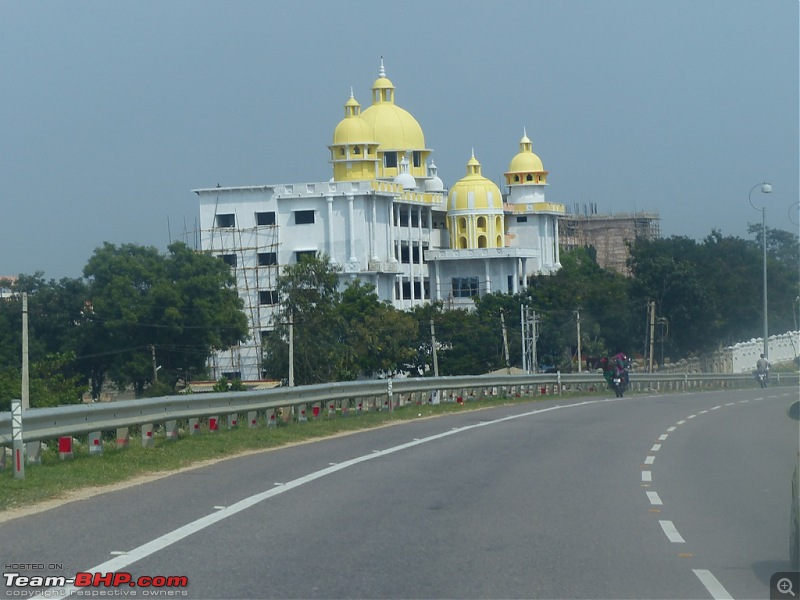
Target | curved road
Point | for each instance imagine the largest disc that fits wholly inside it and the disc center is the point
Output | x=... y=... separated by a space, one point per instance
x=663 y=496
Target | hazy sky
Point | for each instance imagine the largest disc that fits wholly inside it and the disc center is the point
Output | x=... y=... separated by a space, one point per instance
x=112 y=112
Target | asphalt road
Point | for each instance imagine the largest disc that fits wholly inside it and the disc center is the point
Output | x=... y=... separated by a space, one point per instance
x=667 y=496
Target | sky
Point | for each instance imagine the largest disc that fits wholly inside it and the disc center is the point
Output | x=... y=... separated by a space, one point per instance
x=111 y=113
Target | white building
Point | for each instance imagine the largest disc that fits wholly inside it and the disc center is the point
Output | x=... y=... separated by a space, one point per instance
x=386 y=218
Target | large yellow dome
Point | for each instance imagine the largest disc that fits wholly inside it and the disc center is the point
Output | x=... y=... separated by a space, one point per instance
x=393 y=128
x=474 y=192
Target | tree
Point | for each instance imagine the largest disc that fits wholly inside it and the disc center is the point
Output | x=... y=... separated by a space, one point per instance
x=177 y=308
x=309 y=294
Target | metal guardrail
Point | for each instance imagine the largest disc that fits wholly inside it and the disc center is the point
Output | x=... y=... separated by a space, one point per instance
x=50 y=423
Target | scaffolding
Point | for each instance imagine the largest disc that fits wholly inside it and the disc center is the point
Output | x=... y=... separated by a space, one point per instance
x=608 y=234
x=252 y=255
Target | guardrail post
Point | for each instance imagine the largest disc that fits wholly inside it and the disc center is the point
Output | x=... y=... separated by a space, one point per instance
x=213 y=424
x=194 y=426
x=359 y=407
x=2 y=457
x=18 y=449
x=147 y=436
x=95 y=442
x=271 y=422
x=233 y=420
x=331 y=408
x=123 y=437
x=171 y=430
x=301 y=415
x=64 y=447
x=315 y=409
x=345 y=406
x=252 y=419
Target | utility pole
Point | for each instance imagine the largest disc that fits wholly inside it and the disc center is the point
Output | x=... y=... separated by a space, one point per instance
x=153 y=359
x=578 y=316
x=433 y=350
x=291 y=349
x=505 y=341
x=652 y=332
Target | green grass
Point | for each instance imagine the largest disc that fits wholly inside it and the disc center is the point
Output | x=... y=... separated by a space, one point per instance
x=54 y=477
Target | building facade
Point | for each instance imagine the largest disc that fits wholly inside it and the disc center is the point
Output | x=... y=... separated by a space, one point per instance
x=386 y=218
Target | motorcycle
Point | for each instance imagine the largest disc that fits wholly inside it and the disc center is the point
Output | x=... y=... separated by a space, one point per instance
x=619 y=383
x=762 y=377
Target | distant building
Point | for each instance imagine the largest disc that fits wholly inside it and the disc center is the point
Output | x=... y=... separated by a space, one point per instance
x=608 y=234
x=385 y=217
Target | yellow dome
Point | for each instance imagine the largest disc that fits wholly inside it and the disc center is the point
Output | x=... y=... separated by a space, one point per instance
x=526 y=167
x=352 y=130
x=474 y=192
x=525 y=161
x=393 y=128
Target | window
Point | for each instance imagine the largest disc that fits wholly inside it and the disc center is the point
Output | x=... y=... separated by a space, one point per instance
x=417 y=157
x=300 y=255
x=229 y=259
x=390 y=160
x=465 y=287
x=356 y=150
x=303 y=217
x=265 y=218
x=226 y=220
x=268 y=297
x=522 y=219
x=267 y=259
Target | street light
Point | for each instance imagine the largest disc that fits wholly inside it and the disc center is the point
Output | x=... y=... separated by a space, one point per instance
x=766 y=188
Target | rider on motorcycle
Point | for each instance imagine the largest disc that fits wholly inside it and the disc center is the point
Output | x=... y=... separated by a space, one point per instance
x=762 y=370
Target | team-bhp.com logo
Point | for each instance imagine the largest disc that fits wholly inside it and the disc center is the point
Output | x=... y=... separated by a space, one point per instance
x=155 y=585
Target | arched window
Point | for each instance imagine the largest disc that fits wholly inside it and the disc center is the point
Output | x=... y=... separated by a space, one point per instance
x=462 y=225
x=482 y=241
x=462 y=242
x=529 y=177
x=481 y=223
x=356 y=149
x=516 y=178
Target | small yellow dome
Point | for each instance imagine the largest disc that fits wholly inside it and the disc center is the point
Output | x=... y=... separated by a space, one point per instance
x=525 y=161
x=474 y=192
x=352 y=130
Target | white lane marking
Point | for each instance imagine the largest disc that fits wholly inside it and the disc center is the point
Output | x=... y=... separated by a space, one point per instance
x=681 y=422
x=655 y=448
x=663 y=437
x=671 y=429
x=691 y=416
x=716 y=407
x=649 y=460
x=172 y=537
x=730 y=403
x=712 y=585
x=647 y=476
x=702 y=412
x=654 y=499
x=671 y=533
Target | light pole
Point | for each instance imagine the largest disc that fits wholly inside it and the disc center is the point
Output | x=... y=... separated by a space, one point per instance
x=766 y=188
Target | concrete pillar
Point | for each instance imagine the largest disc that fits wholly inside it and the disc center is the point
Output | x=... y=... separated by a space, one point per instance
x=2 y=457
x=148 y=440
x=64 y=448
x=331 y=408
x=171 y=430
x=213 y=424
x=271 y=422
x=345 y=406
x=301 y=414
x=194 y=426
x=95 y=442
x=252 y=419
x=233 y=420
x=123 y=437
